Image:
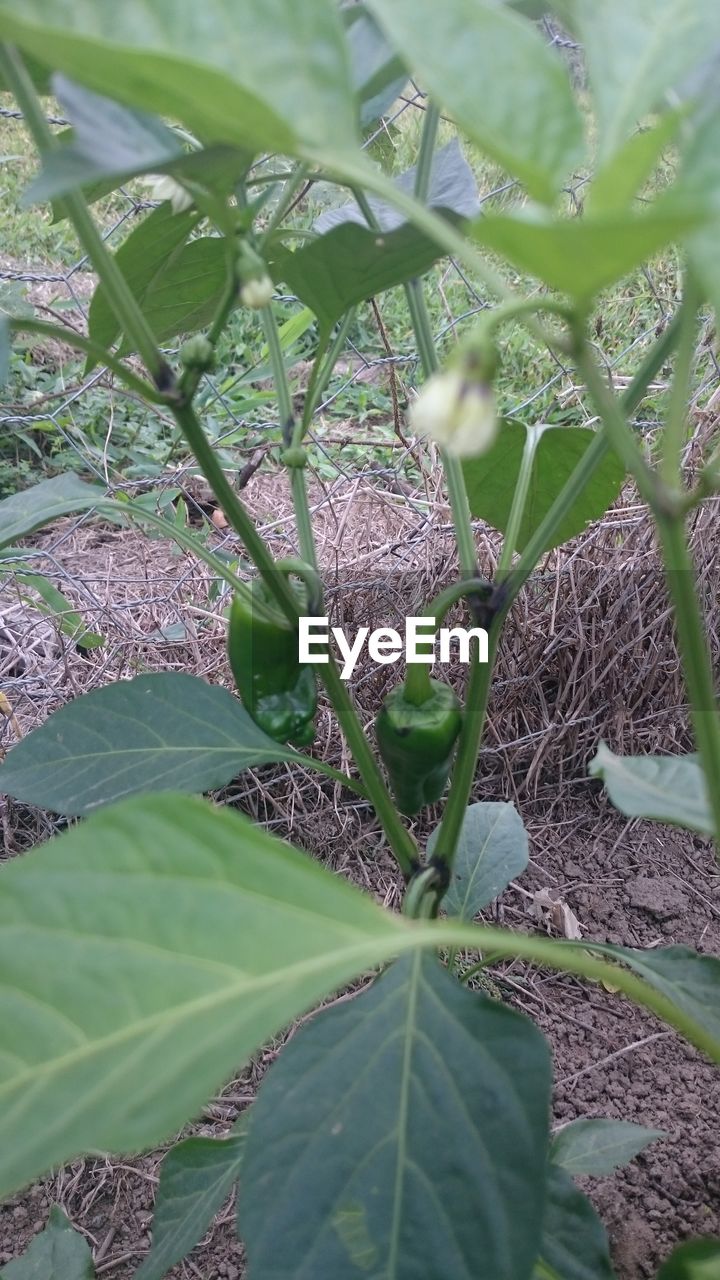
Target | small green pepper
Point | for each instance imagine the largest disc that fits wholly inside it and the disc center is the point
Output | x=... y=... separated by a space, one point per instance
x=277 y=690
x=416 y=741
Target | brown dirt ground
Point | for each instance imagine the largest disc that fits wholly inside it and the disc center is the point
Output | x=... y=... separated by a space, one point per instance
x=639 y=884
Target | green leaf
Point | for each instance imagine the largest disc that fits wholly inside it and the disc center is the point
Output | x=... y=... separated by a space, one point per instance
x=107 y=140
x=379 y=75
x=58 y=1253
x=350 y=263
x=30 y=509
x=491 y=480
x=196 y=1178
x=397 y=1136
x=637 y=52
x=144 y=955
x=161 y=732
x=278 y=79
x=492 y=849
x=699 y=184
x=599 y=1146
x=497 y=76
x=697 y=1260
x=575 y=1244
x=618 y=182
x=141 y=258
x=183 y=296
x=667 y=788
x=690 y=980
x=582 y=255
x=54 y=603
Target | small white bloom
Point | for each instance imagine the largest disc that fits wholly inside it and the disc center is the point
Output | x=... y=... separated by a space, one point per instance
x=163 y=187
x=257 y=292
x=457 y=412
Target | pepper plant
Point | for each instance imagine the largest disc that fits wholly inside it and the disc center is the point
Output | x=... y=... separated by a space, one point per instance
x=151 y=948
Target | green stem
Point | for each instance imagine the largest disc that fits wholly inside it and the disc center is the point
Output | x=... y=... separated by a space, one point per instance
x=417 y=683
x=566 y=957
x=239 y=518
x=23 y=324
x=675 y=431
x=120 y=296
x=401 y=842
x=280 y=378
x=454 y=479
x=696 y=660
x=321 y=373
x=481 y=675
x=519 y=502
x=428 y=138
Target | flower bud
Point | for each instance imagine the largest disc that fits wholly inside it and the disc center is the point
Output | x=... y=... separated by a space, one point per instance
x=257 y=292
x=198 y=353
x=163 y=187
x=457 y=410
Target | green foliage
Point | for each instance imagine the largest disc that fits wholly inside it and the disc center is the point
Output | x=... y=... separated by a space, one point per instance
x=529 y=122
x=492 y=478
x=148 y=951
x=161 y=732
x=58 y=1251
x=492 y=850
x=698 y=1260
x=196 y=1178
x=668 y=788
x=379 y=1153
x=599 y=1146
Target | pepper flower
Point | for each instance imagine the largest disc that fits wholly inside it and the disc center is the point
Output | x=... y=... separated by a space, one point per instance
x=163 y=187
x=456 y=408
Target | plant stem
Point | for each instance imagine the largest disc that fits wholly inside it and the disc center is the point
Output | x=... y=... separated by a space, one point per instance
x=321 y=373
x=239 y=518
x=120 y=296
x=480 y=676
x=696 y=660
x=675 y=429
x=401 y=842
x=517 y=510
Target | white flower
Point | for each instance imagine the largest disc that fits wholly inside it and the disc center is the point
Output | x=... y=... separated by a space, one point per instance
x=163 y=187
x=257 y=292
x=457 y=411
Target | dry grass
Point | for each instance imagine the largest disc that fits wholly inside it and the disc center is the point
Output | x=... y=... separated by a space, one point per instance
x=588 y=651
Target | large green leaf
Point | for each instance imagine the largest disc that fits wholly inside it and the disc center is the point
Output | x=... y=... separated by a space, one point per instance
x=147 y=250
x=58 y=1253
x=161 y=732
x=378 y=73
x=599 y=1146
x=699 y=183
x=667 y=788
x=491 y=480
x=618 y=182
x=143 y=956
x=637 y=52
x=492 y=849
x=183 y=296
x=30 y=509
x=690 y=980
x=349 y=263
x=575 y=1243
x=398 y=1136
x=274 y=76
x=196 y=1178
x=107 y=140
x=582 y=255
x=696 y=1260
x=497 y=76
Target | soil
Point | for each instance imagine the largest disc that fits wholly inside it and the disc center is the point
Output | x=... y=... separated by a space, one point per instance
x=639 y=884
